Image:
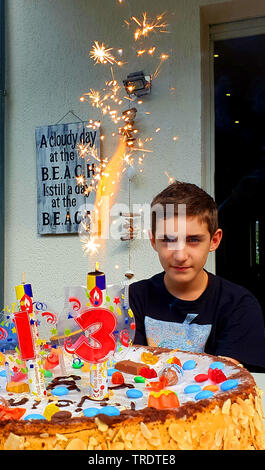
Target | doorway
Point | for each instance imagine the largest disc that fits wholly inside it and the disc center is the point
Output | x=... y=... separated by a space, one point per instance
x=239 y=148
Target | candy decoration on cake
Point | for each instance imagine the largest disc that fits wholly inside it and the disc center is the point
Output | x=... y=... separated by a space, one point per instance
x=163 y=399
x=173 y=373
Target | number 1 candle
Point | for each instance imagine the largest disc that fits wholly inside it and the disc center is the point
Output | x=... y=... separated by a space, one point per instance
x=27 y=333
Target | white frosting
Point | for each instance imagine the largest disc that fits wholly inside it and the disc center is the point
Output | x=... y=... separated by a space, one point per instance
x=119 y=398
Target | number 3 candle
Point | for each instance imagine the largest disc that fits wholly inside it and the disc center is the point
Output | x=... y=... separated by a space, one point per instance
x=96 y=342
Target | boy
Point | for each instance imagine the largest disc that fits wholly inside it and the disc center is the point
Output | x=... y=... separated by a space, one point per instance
x=185 y=306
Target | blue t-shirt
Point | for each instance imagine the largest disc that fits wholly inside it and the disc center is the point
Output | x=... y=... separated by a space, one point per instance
x=225 y=320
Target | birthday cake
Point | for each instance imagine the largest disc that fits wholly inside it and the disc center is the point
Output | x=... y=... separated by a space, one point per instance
x=75 y=381
x=157 y=399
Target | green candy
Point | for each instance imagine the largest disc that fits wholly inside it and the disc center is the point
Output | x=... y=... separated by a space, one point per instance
x=47 y=373
x=139 y=379
x=77 y=365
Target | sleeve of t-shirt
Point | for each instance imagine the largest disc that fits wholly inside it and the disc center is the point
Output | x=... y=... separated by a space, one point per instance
x=242 y=336
x=136 y=301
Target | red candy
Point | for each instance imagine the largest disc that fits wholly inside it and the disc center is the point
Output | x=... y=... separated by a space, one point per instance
x=216 y=375
x=148 y=373
x=201 y=377
x=117 y=378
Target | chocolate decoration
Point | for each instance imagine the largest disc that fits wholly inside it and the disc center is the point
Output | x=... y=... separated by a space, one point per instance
x=13 y=402
x=35 y=404
x=82 y=401
x=64 y=380
x=62 y=403
x=130 y=367
x=118 y=387
x=61 y=416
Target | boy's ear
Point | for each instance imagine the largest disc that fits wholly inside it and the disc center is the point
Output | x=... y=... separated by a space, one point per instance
x=216 y=239
x=152 y=239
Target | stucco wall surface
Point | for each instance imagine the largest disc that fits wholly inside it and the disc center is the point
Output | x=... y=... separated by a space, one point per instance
x=48 y=69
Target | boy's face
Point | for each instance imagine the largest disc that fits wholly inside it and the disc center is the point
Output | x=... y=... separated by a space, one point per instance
x=183 y=255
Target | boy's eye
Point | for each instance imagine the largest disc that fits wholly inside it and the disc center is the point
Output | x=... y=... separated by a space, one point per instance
x=193 y=240
x=169 y=240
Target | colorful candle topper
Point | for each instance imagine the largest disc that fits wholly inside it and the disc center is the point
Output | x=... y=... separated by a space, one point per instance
x=97 y=345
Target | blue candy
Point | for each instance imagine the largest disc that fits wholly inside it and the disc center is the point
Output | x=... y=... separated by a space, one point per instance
x=189 y=365
x=134 y=393
x=90 y=412
x=192 y=389
x=111 y=371
x=217 y=365
x=110 y=411
x=3 y=373
x=228 y=384
x=34 y=416
x=204 y=394
x=106 y=410
x=58 y=391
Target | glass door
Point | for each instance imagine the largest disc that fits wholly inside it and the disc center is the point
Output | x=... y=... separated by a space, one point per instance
x=239 y=149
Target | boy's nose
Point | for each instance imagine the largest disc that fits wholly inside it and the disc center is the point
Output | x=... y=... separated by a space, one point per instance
x=180 y=255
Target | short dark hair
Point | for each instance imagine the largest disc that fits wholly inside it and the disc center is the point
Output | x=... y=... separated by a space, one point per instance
x=197 y=201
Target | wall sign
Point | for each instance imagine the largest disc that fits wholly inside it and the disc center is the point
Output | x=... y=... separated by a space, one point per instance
x=58 y=165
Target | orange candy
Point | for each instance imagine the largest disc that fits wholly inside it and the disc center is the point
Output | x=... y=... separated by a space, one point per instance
x=212 y=388
x=11 y=413
x=163 y=399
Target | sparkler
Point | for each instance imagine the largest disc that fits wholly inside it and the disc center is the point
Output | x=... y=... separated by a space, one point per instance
x=107 y=174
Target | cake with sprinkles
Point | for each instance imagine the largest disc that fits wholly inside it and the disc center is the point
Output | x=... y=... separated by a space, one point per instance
x=158 y=399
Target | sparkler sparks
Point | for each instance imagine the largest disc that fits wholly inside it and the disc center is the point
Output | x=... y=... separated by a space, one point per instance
x=102 y=55
x=89 y=245
x=171 y=179
x=95 y=97
x=147 y=26
x=163 y=57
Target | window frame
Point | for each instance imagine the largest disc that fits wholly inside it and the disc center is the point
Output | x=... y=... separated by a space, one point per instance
x=2 y=145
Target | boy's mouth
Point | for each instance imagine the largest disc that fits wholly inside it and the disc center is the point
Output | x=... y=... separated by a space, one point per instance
x=181 y=268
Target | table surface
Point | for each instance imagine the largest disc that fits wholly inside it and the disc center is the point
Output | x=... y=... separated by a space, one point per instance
x=260 y=381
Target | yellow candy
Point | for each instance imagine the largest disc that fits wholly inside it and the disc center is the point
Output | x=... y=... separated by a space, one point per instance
x=17 y=387
x=50 y=410
x=86 y=367
x=2 y=359
x=130 y=313
x=149 y=358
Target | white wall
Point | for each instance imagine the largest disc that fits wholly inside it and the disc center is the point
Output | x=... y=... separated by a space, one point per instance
x=48 y=68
